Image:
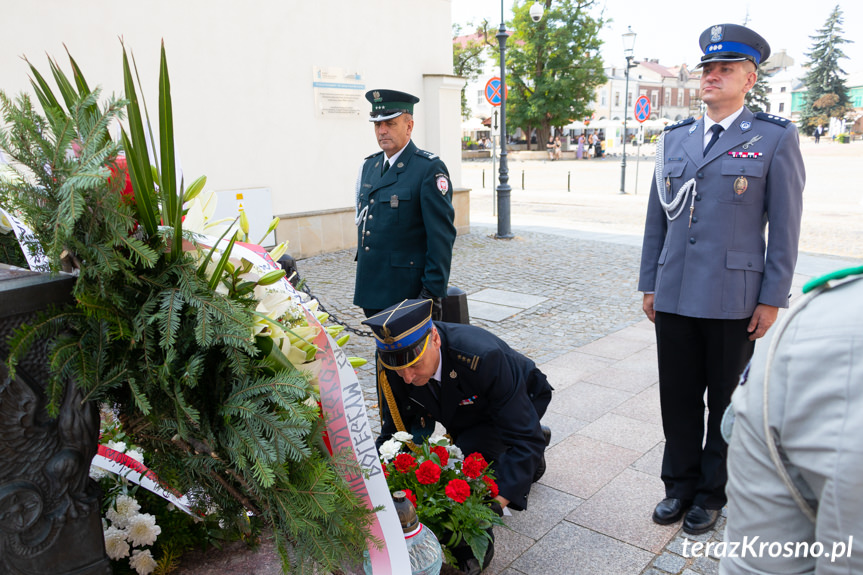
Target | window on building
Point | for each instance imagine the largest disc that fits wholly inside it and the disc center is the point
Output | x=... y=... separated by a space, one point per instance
x=680 y=97
x=768 y=108
x=617 y=99
x=691 y=95
x=667 y=99
x=781 y=107
x=782 y=89
x=653 y=99
x=604 y=101
x=769 y=89
x=628 y=99
x=480 y=97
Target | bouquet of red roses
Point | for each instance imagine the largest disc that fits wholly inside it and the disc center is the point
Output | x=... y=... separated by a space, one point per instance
x=452 y=493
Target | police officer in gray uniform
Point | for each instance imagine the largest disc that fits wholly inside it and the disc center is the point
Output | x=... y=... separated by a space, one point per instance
x=405 y=229
x=795 y=479
x=712 y=282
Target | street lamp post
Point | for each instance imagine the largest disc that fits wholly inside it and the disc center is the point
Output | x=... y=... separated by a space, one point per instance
x=504 y=191
x=628 y=49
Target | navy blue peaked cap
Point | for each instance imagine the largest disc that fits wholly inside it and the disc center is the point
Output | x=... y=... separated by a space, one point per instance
x=401 y=332
x=732 y=43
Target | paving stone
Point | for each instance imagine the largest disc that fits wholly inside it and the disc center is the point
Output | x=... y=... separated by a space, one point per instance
x=546 y=508
x=644 y=406
x=625 y=432
x=651 y=462
x=508 y=545
x=622 y=509
x=569 y=549
x=581 y=466
x=507 y=298
x=669 y=563
x=587 y=401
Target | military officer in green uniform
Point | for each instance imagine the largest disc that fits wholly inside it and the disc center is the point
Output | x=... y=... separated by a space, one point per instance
x=404 y=216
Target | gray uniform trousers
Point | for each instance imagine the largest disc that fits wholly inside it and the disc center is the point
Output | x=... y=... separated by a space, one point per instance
x=815 y=406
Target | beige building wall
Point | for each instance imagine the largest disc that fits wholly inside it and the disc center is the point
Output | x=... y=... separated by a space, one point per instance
x=241 y=80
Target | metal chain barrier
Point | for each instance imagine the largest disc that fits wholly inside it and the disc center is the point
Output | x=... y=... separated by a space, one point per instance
x=302 y=285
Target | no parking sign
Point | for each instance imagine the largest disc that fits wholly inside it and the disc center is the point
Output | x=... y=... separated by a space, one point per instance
x=642 y=108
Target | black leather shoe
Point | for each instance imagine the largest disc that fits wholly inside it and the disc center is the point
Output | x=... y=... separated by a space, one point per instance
x=546 y=433
x=669 y=510
x=540 y=470
x=699 y=520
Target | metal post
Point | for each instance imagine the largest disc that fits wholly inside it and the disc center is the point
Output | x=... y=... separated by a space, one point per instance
x=568 y=179
x=503 y=190
x=638 y=155
x=625 y=110
x=522 y=179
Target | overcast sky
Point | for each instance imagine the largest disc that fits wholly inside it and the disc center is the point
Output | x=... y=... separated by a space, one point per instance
x=669 y=29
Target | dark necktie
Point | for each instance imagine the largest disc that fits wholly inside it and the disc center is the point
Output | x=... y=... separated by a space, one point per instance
x=386 y=167
x=716 y=129
x=434 y=388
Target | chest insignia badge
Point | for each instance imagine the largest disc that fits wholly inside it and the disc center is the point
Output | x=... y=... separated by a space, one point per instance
x=740 y=185
x=394 y=201
x=400 y=165
x=453 y=374
x=751 y=142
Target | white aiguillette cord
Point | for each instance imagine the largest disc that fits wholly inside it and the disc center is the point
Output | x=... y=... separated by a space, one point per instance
x=687 y=189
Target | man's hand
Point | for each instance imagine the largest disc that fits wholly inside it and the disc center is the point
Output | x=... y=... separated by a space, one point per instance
x=437 y=306
x=762 y=318
x=647 y=307
x=503 y=501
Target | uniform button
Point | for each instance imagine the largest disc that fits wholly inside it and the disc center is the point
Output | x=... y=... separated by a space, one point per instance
x=368 y=233
x=371 y=201
x=749 y=264
x=697 y=198
x=691 y=241
x=367 y=248
x=371 y=216
x=412 y=263
x=694 y=220
x=742 y=170
x=700 y=175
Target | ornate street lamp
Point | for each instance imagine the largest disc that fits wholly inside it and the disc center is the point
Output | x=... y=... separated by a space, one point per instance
x=504 y=190
x=628 y=49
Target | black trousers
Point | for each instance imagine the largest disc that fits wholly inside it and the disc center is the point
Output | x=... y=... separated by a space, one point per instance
x=695 y=355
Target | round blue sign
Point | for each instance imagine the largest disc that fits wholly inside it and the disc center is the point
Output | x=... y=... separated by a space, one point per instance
x=642 y=108
x=492 y=91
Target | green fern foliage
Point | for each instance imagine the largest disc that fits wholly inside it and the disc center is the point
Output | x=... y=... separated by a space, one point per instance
x=149 y=334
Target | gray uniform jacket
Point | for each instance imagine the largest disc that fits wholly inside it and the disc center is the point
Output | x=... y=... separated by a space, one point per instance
x=815 y=404
x=716 y=267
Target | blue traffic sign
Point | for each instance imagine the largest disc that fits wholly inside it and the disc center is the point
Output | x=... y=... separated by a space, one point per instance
x=492 y=91
x=642 y=108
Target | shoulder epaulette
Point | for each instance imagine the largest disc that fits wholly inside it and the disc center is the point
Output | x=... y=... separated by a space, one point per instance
x=370 y=156
x=685 y=122
x=778 y=120
x=426 y=155
x=470 y=360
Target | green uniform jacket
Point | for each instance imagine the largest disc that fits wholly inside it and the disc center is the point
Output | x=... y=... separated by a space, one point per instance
x=405 y=229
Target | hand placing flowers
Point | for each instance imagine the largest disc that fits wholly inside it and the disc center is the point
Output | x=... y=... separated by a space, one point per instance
x=452 y=493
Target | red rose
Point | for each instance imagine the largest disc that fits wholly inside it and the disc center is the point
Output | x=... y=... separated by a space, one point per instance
x=404 y=462
x=492 y=486
x=428 y=472
x=458 y=490
x=121 y=178
x=474 y=464
x=411 y=497
x=442 y=453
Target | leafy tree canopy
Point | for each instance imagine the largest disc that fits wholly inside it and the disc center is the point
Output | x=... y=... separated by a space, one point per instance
x=467 y=60
x=825 y=77
x=554 y=65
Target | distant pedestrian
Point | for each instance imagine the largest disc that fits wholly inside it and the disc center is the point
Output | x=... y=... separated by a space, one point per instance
x=549 y=147
x=557 y=148
x=579 y=151
x=818 y=131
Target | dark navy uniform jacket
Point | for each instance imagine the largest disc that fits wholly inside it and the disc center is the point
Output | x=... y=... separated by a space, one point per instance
x=488 y=385
x=405 y=229
x=722 y=266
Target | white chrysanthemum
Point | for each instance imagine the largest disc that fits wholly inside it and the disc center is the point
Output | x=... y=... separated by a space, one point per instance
x=403 y=436
x=124 y=509
x=390 y=449
x=438 y=440
x=136 y=454
x=116 y=545
x=143 y=530
x=117 y=446
x=142 y=561
x=455 y=453
x=97 y=473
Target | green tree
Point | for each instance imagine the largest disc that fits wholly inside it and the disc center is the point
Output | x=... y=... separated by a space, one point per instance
x=553 y=66
x=756 y=98
x=468 y=54
x=826 y=93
